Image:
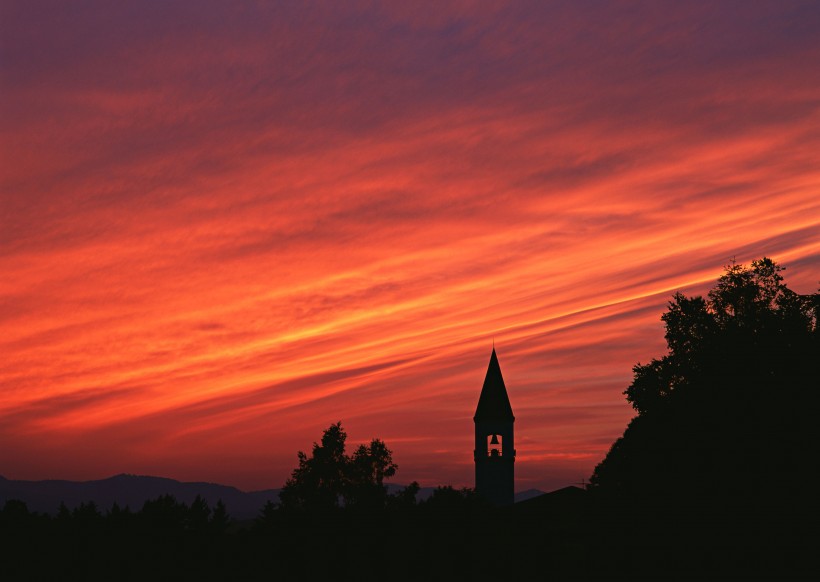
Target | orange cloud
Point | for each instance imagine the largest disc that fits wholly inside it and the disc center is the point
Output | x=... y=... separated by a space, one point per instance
x=222 y=231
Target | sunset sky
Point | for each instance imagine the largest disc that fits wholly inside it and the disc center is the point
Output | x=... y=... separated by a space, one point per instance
x=226 y=225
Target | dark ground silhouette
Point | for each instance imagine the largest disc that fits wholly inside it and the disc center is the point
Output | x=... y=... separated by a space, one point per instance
x=565 y=535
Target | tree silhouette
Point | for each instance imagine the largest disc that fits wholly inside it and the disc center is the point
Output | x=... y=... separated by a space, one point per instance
x=165 y=514
x=449 y=498
x=63 y=512
x=220 y=518
x=731 y=409
x=366 y=471
x=404 y=500
x=266 y=521
x=87 y=514
x=14 y=513
x=198 y=514
x=330 y=478
x=318 y=482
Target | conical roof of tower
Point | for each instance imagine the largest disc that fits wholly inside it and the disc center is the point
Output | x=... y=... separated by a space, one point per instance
x=494 y=404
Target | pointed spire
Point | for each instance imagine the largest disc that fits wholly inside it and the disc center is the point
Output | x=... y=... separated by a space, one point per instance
x=494 y=404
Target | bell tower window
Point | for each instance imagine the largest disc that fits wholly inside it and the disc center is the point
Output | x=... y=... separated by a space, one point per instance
x=494 y=445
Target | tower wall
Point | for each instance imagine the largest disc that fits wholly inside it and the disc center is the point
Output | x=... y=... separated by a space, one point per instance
x=495 y=475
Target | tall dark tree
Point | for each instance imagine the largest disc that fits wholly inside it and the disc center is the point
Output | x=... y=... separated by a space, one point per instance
x=319 y=480
x=731 y=409
x=219 y=519
x=367 y=469
x=329 y=477
x=198 y=514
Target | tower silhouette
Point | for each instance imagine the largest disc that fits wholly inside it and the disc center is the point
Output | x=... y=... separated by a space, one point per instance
x=494 y=452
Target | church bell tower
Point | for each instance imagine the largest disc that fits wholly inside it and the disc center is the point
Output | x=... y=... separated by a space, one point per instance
x=494 y=452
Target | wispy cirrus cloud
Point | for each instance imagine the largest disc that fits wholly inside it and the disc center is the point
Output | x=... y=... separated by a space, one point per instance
x=224 y=228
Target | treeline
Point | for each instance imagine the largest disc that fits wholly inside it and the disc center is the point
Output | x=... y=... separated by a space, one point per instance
x=167 y=539
x=164 y=513
x=453 y=535
x=162 y=540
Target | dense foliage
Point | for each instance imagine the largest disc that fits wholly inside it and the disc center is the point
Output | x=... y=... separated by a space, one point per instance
x=730 y=412
x=329 y=477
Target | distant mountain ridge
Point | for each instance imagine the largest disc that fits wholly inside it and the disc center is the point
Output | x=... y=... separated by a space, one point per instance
x=134 y=490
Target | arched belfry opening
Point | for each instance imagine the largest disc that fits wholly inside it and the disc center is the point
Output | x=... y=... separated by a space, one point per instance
x=495 y=445
x=494 y=452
